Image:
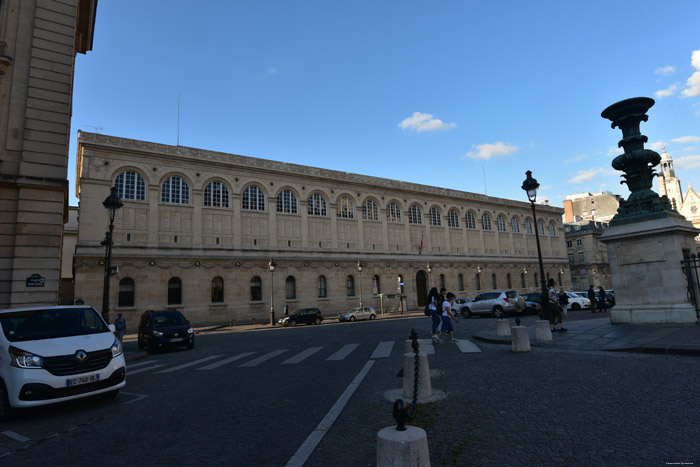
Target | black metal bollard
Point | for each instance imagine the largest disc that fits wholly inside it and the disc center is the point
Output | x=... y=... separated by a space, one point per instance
x=400 y=414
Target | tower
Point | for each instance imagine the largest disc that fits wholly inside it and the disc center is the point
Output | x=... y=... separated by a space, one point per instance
x=669 y=185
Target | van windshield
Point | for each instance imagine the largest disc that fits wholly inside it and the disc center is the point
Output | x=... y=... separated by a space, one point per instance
x=38 y=324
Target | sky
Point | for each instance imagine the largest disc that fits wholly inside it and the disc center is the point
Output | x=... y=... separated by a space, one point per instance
x=467 y=95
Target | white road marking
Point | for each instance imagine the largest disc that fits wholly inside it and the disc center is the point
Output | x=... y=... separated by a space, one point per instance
x=185 y=365
x=137 y=396
x=153 y=367
x=134 y=365
x=343 y=352
x=305 y=450
x=429 y=347
x=383 y=350
x=466 y=346
x=263 y=358
x=301 y=356
x=16 y=436
x=225 y=361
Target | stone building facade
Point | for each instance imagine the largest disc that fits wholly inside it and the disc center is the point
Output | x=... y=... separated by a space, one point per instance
x=39 y=40
x=588 y=256
x=198 y=230
x=601 y=206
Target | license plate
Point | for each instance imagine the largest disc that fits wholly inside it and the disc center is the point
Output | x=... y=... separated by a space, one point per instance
x=177 y=339
x=82 y=380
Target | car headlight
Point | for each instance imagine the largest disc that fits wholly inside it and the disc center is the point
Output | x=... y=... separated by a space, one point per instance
x=116 y=348
x=21 y=359
x=190 y=331
x=157 y=333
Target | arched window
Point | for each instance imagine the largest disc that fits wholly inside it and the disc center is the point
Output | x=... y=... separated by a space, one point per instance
x=217 y=290
x=486 y=222
x=350 y=286
x=494 y=282
x=290 y=288
x=540 y=227
x=452 y=218
x=528 y=226
x=130 y=185
x=514 y=225
x=174 y=291
x=435 y=217
x=394 y=212
x=255 y=289
x=401 y=284
x=126 y=292
x=376 y=285
x=287 y=202
x=471 y=221
x=216 y=195
x=501 y=224
x=175 y=190
x=460 y=282
x=322 y=287
x=552 y=230
x=414 y=215
x=253 y=199
x=345 y=208
x=317 y=205
x=478 y=281
x=370 y=212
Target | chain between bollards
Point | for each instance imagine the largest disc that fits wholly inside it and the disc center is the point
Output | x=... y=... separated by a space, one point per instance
x=415 y=346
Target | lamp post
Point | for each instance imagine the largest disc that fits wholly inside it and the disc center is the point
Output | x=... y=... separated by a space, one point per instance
x=272 y=265
x=530 y=186
x=112 y=203
x=359 y=269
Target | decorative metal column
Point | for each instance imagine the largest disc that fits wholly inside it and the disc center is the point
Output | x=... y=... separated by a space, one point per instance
x=530 y=186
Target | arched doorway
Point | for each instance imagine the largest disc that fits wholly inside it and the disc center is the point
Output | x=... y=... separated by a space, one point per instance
x=422 y=288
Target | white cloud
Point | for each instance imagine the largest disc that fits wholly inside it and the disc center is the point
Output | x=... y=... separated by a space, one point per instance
x=665 y=70
x=588 y=175
x=687 y=139
x=656 y=146
x=580 y=157
x=669 y=91
x=615 y=151
x=419 y=122
x=687 y=162
x=487 y=151
x=693 y=84
x=271 y=71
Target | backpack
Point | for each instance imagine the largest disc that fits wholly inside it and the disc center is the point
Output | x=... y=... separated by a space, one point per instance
x=427 y=310
x=438 y=305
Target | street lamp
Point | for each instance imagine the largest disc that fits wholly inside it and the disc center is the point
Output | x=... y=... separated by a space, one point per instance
x=359 y=269
x=272 y=265
x=112 y=203
x=530 y=186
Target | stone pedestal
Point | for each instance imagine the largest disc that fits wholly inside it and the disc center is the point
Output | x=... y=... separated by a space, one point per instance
x=521 y=339
x=645 y=263
x=543 y=330
x=402 y=448
x=502 y=327
x=409 y=365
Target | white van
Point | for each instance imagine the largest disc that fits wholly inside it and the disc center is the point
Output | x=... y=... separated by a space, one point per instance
x=55 y=354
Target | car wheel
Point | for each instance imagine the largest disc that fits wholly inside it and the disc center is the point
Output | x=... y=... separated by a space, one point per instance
x=292 y=322
x=352 y=318
x=110 y=394
x=498 y=312
x=6 y=410
x=466 y=313
x=371 y=317
x=318 y=320
x=575 y=307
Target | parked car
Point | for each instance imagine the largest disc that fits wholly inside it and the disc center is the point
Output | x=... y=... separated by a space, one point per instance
x=160 y=329
x=365 y=312
x=577 y=302
x=56 y=354
x=495 y=303
x=459 y=304
x=302 y=316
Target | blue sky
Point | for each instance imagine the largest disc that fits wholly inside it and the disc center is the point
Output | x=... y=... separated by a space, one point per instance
x=463 y=94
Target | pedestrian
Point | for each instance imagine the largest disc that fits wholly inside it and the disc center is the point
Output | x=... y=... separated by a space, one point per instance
x=591 y=297
x=601 y=300
x=554 y=309
x=120 y=325
x=433 y=299
x=563 y=301
x=447 y=317
x=521 y=304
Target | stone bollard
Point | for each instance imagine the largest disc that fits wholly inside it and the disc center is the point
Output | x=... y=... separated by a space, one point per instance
x=521 y=339
x=502 y=327
x=409 y=365
x=407 y=448
x=544 y=332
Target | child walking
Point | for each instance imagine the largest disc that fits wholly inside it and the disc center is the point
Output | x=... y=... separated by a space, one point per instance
x=447 y=317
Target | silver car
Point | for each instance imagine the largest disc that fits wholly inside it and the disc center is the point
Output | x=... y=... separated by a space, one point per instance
x=366 y=312
x=495 y=303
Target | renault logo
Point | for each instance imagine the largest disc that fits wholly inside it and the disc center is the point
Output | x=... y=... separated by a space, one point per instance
x=176 y=334
x=80 y=356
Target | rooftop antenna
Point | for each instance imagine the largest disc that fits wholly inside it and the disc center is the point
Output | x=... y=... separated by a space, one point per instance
x=483 y=171
x=97 y=129
x=178 y=119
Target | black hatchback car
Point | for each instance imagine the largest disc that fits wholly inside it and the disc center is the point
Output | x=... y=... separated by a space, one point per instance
x=302 y=316
x=164 y=328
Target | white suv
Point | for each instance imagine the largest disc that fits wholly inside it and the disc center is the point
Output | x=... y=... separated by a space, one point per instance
x=55 y=354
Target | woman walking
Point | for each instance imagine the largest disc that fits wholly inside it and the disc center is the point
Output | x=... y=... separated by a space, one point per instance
x=447 y=317
x=434 y=299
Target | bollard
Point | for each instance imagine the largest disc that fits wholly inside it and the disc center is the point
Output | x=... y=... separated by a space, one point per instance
x=502 y=327
x=544 y=332
x=402 y=445
x=521 y=339
x=409 y=372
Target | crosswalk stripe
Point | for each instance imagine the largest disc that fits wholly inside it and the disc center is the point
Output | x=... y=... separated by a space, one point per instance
x=301 y=356
x=467 y=346
x=225 y=361
x=383 y=350
x=343 y=352
x=185 y=365
x=429 y=347
x=140 y=370
x=134 y=365
x=259 y=360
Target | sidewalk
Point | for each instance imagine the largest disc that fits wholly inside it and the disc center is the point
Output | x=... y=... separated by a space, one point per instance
x=600 y=334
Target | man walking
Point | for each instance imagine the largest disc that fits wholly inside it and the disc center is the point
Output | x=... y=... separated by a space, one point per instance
x=601 y=297
x=591 y=297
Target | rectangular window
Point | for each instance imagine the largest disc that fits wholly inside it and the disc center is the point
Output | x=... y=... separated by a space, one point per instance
x=581 y=257
x=571 y=258
x=579 y=242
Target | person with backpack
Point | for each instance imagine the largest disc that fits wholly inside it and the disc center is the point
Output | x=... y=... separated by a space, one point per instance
x=554 y=309
x=432 y=310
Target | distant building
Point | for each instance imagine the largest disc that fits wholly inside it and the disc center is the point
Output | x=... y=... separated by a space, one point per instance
x=600 y=207
x=588 y=256
x=70 y=239
x=669 y=184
